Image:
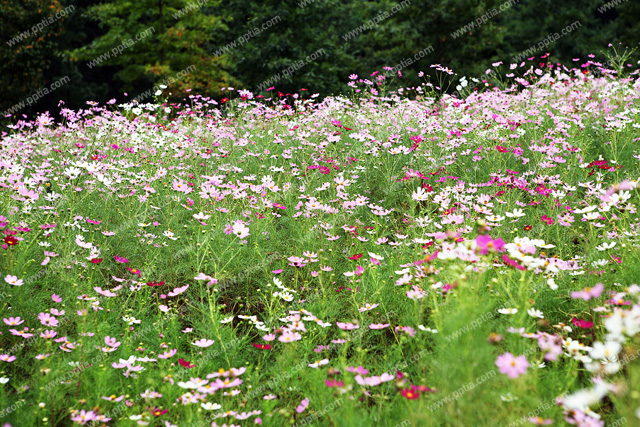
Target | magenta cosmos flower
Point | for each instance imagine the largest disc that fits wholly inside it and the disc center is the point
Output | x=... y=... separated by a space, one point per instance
x=510 y=365
x=588 y=293
x=486 y=244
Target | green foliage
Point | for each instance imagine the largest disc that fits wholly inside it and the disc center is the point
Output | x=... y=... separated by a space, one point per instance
x=154 y=40
x=257 y=44
x=28 y=35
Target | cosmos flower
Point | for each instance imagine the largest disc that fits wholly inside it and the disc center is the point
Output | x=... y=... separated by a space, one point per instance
x=13 y=280
x=203 y=343
x=512 y=366
x=120 y=259
x=588 y=293
x=410 y=393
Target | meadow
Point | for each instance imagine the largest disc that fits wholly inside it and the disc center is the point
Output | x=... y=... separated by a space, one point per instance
x=393 y=256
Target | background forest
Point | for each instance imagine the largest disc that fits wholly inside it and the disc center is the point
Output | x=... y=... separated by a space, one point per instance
x=100 y=50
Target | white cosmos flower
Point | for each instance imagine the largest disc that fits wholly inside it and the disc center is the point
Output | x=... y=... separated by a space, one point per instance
x=608 y=350
x=585 y=210
x=201 y=216
x=535 y=313
x=586 y=397
x=210 y=406
x=605 y=246
x=517 y=213
x=508 y=310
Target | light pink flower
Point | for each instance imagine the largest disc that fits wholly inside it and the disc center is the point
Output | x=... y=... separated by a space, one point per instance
x=168 y=354
x=588 y=293
x=302 y=406
x=203 y=343
x=379 y=325
x=347 y=326
x=13 y=280
x=513 y=366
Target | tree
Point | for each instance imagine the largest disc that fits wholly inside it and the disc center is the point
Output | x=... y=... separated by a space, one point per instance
x=154 y=41
x=29 y=30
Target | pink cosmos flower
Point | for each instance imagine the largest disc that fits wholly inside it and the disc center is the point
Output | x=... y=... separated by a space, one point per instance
x=290 y=337
x=297 y=261
x=7 y=358
x=13 y=280
x=302 y=406
x=13 y=321
x=168 y=354
x=539 y=421
x=203 y=343
x=111 y=342
x=120 y=259
x=552 y=344
x=210 y=280
x=513 y=366
x=23 y=333
x=334 y=383
x=624 y=185
x=47 y=320
x=113 y=398
x=347 y=326
x=56 y=298
x=357 y=370
x=588 y=293
x=83 y=417
x=47 y=334
x=178 y=291
x=374 y=380
x=406 y=329
x=367 y=307
x=378 y=325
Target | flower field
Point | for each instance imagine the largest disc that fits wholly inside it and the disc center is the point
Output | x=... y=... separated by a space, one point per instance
x=390 y=258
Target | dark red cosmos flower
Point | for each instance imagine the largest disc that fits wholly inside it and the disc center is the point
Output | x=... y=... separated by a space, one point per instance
x=355 y=257
x=261 y=346
x=152 y=284
x=527 y=227
x=410 y=393
x=157 y=411
x=185 y=364
x=96 y=260
x=10 y=240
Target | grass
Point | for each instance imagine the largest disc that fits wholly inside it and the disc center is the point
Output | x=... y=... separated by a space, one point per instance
x=255 y=228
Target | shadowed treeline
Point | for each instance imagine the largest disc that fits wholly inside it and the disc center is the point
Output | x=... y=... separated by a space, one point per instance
x=84 y=50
